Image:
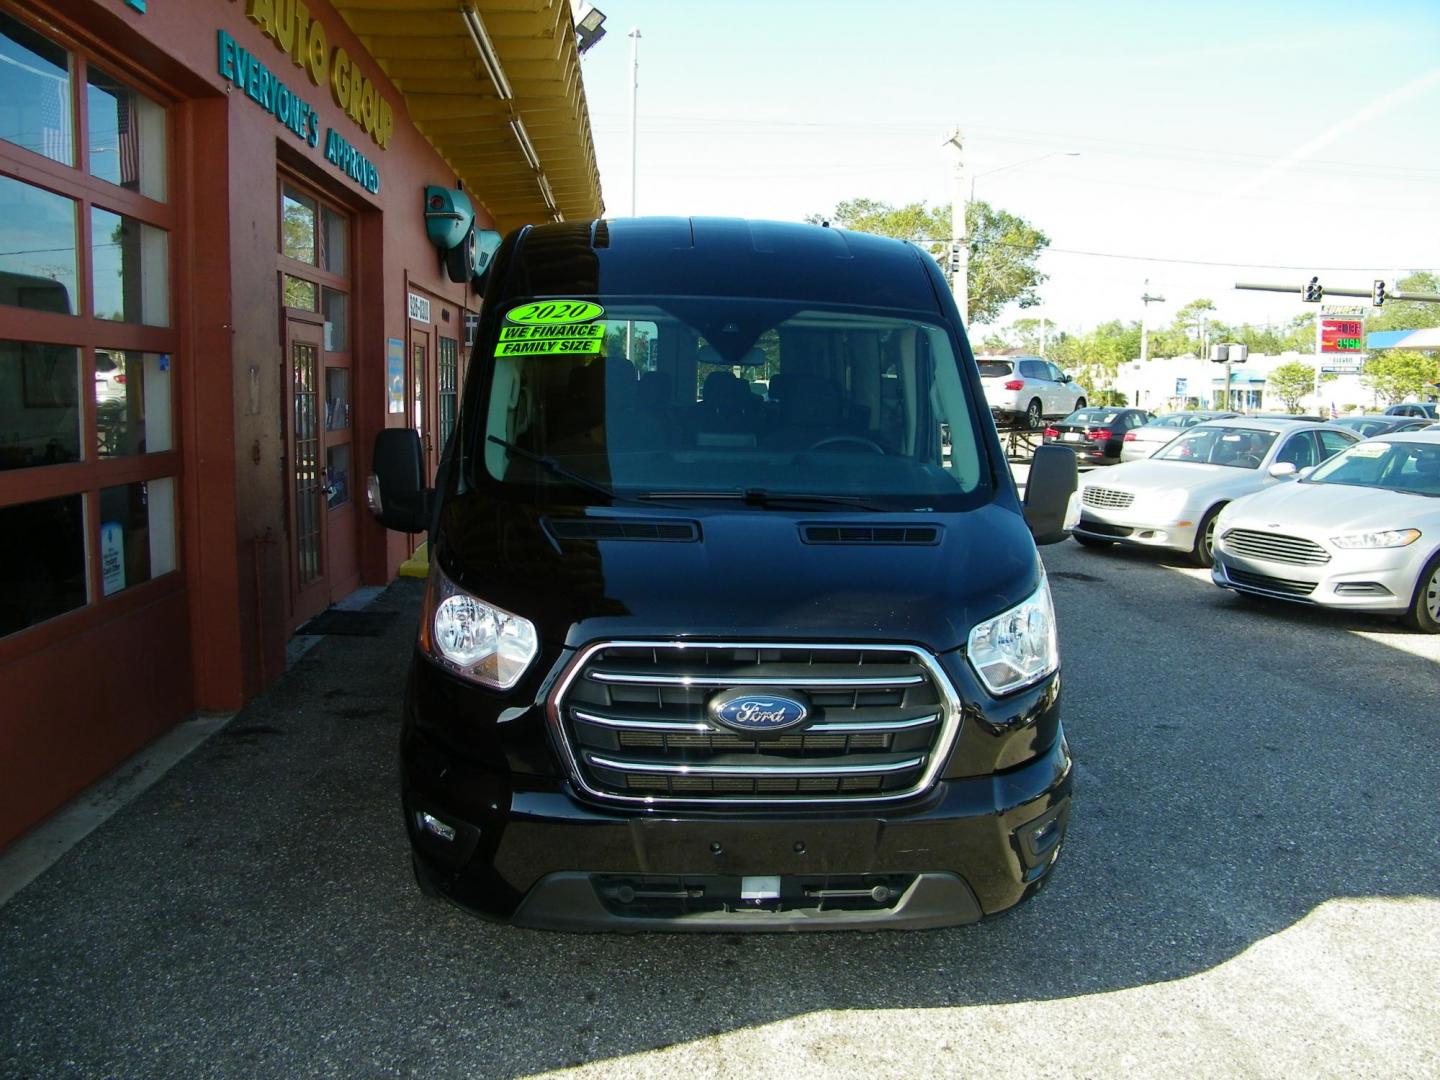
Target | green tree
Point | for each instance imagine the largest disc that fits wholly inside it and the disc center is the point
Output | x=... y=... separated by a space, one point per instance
x=1409 y=314
x=1004 y=248
x=1093 y=360
x=1401 y=374
x=1290 y=383
x=1197 y=316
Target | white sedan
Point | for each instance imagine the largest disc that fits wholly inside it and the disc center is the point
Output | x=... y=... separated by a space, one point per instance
x=1360 y=532
x=1172 y=499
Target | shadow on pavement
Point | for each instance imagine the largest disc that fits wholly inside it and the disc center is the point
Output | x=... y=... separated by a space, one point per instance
x=253 y=913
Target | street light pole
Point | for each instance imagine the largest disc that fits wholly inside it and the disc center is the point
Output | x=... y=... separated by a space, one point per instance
x=959 y=238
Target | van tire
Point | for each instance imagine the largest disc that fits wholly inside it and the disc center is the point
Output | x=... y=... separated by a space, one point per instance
x=1079 y=404
x=1034 y=415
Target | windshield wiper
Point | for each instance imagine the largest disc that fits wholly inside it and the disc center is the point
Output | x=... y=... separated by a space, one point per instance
x=777 y=499
x=550 y=465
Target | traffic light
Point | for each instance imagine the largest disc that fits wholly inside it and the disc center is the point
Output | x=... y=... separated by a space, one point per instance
x=1377 y=294
x=1239 y=353
x=1220 y=354
x=1314 y=292
x=954 y=258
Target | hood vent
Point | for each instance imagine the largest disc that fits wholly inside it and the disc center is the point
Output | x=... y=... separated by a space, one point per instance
x=667 y=530
x=870 y=534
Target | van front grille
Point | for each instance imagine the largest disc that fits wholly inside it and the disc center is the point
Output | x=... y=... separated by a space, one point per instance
x=634 y=723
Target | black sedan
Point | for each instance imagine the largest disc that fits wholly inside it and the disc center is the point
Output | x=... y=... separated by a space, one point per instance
x=1096 y=434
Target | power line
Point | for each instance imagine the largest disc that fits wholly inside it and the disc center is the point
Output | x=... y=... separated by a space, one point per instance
x=1176 y=261
x=1128 y=148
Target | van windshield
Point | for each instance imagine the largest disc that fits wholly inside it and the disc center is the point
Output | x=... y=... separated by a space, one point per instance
x=722 y=398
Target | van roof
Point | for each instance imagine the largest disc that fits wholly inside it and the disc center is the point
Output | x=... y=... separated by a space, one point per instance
x=703 y=256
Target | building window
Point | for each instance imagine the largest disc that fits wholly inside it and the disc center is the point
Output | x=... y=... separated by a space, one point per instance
x=40 y=581
x=297 y=226
x=35 y=109
x=130 y=269
x=87 y=351
x=448 y=373
x=301 y=294
x=39 y=404
x=37 y=247
x=126 y=136
x=132 y=403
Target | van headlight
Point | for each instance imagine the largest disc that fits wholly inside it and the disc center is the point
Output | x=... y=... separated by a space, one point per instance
x=1018 y=647
x=476 y=640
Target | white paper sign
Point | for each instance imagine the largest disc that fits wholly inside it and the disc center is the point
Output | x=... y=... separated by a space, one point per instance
x=112 y=556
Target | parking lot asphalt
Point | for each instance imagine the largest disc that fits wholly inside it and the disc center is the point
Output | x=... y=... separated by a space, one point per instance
x=1251 y=887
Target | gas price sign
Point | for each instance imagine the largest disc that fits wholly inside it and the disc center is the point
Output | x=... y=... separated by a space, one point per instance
x=1342 y=335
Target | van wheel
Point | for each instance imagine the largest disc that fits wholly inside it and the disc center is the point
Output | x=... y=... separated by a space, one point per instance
x=1090 y=541
x=1033 y=415
x=1079 y=404
x=1424 y=613
x=1203 y=553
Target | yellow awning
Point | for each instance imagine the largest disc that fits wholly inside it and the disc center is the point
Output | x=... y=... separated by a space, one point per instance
x=513 y=124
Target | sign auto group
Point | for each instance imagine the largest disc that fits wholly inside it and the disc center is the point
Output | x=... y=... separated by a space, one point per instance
x=289 y=25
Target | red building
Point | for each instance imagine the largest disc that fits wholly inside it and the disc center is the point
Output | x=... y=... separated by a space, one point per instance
x=216 y=285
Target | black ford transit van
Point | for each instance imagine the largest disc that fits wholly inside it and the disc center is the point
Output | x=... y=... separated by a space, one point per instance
x=734 y=620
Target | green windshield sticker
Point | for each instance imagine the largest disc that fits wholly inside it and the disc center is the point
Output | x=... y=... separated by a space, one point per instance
x=581 y=339
x=555 y=313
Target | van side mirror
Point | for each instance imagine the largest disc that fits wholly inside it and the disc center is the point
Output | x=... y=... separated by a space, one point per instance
x=1049 y=493
x=397 y=495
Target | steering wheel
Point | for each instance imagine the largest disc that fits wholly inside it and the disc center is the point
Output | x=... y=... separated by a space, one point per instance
x=859 y=440
x=1248 y=461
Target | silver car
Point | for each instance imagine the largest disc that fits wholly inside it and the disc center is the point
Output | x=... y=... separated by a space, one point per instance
x=1362 y=532
x=1172 y=499
x=1143 y=441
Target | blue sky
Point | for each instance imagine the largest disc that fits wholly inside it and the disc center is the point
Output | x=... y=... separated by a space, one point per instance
x=1295 y=135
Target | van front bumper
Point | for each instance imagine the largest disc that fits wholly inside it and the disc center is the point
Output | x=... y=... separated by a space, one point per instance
x=536 y=856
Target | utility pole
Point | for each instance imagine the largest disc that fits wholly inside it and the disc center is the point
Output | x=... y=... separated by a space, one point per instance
x=634 y=89
x=1147 y=300
x=959 y=240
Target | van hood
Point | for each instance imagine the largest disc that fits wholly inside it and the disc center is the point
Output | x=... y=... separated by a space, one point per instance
x=745 y=573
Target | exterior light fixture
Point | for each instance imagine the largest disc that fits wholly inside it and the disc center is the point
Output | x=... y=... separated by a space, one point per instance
x=486 y=49
x=589 y=25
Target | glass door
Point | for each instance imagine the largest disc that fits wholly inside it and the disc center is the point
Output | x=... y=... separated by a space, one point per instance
x=307 y=486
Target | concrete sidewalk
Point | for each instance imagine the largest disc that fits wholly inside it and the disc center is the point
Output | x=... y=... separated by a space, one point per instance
x=189 y=934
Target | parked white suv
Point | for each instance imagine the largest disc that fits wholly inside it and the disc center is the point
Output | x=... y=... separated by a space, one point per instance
x=1024 y=391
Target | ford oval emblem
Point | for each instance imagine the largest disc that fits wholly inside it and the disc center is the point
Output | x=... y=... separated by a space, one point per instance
x=757 y=711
